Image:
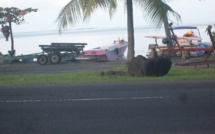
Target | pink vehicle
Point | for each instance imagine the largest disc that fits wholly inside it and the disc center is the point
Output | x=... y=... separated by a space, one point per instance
x=114 y=51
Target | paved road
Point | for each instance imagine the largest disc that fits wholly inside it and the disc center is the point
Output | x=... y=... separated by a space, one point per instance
x=125 y=108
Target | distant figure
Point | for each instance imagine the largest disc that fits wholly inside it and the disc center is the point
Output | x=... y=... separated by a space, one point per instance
x=189 y=34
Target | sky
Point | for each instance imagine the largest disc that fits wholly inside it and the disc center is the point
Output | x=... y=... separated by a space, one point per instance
x=193 y=12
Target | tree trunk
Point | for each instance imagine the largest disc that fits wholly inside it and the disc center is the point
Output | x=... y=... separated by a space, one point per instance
x=130 y=26
x=167 y=31
x=12 y=53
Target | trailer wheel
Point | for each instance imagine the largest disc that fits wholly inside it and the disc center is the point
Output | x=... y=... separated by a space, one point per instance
x=42 y=59
x=55 y=58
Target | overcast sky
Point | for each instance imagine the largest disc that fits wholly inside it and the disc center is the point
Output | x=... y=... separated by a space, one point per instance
x=192 y=12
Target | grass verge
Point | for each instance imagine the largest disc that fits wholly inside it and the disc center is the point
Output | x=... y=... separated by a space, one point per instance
x=93 y=77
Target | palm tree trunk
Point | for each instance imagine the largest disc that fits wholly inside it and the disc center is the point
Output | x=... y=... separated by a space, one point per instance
x=12 y=42
x=130 y=26
x=167 y=31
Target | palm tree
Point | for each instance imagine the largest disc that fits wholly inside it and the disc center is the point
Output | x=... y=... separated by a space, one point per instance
x=76 y=10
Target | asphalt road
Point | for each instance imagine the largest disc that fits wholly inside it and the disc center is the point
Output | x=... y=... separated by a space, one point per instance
x=123 y=108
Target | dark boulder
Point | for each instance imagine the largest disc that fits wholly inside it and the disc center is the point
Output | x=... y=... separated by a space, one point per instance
x=141 y=66
x=163 y=66
x=151 y=67
x=137 y=66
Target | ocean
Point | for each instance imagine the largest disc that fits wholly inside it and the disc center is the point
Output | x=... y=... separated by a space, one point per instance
x=28 y=42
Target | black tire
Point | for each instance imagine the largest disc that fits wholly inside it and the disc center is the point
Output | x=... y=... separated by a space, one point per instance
x=55 y=58
x=42 y=59
x=77 y=52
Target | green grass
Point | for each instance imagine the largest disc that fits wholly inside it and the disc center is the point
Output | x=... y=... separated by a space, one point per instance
x=174 y=74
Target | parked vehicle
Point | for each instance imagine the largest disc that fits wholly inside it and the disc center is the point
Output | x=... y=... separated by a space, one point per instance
x=186 y=37
x=56 y=51
x=110 y=52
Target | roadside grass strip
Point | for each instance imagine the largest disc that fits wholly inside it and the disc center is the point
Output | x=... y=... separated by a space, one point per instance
x=94 y=77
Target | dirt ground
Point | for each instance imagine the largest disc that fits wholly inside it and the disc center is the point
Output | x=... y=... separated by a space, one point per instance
x=78 y=66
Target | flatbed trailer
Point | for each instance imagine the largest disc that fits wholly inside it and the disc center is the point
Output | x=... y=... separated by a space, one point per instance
x=56 y=51
x=204 y=62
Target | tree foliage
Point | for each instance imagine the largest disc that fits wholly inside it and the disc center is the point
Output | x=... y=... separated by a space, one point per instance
x=10 y=15
x=77 y=10
x=13 y=14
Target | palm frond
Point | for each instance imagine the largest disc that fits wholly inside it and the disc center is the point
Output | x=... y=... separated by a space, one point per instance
x=70 y=14
x=112 y=7
x=77 y=10
x=156 y=10
x=92 y=5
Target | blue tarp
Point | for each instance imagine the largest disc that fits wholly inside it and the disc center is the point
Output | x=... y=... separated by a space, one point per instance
x=202 y=45
x=185 y=27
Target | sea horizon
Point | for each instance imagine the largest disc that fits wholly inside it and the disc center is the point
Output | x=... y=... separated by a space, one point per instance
x=28 y=42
